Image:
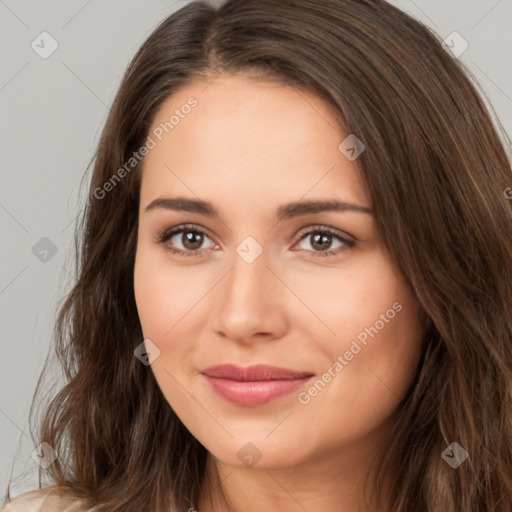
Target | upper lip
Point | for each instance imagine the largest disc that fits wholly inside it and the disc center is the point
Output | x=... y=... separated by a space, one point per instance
x=253 y=373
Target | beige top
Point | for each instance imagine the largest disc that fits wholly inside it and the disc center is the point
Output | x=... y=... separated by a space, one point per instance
x=43 y=500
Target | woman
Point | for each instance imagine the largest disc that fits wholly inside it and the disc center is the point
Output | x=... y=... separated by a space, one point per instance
x=294 y=284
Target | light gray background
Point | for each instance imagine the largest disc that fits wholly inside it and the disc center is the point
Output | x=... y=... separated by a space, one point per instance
x=52 y=112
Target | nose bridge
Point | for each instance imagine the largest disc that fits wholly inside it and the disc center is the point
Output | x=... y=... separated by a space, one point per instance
x=249 y=281
x=248 y=303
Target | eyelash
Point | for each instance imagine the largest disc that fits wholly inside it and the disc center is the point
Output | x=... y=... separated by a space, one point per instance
x=323 y=230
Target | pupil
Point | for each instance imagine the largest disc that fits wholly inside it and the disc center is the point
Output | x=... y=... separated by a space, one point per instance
x=193 y=240
x=317 y=241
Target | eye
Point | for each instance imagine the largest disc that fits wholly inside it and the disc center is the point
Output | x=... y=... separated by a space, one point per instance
x=324 y=241
x=186 y=240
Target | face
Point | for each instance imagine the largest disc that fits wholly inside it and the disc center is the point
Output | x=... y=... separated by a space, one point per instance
x=312 y=291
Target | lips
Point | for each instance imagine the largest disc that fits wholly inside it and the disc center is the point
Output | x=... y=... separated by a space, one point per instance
x=254 y=385
x=253 y=373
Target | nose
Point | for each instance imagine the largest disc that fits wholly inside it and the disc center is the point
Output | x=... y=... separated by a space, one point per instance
x=250 y=303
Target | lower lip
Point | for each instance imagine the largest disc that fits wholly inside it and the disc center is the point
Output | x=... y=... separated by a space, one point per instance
x=254 y=392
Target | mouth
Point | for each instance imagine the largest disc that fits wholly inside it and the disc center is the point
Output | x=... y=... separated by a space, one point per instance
x=254 y=385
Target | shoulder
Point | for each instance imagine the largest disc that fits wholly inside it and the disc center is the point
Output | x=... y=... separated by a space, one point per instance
x=48 y=499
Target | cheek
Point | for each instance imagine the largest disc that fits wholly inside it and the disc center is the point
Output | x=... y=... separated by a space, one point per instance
x=162 y=315
x=163 y=294
x=150 y=298
x=379 y=327
x=350 y=298
x=373 y=383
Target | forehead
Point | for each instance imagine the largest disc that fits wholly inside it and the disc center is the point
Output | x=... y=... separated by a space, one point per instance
x=248 y=138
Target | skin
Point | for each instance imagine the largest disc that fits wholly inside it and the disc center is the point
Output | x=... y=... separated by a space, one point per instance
x=249 y=147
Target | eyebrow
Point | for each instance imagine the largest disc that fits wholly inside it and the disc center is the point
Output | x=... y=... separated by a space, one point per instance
x=285 y=211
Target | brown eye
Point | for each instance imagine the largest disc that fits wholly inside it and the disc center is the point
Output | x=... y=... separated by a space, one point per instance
x=321 y=241
x=185 y=240
x=192 y=240
x=324 y=242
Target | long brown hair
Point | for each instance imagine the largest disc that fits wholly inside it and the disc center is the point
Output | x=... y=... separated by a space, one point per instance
x=436 y=168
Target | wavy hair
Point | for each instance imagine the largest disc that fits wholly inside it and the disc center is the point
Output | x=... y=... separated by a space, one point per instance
x=437 y=165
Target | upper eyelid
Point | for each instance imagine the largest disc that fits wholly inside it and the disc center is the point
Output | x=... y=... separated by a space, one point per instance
x=167 y=233
x=322 y=228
